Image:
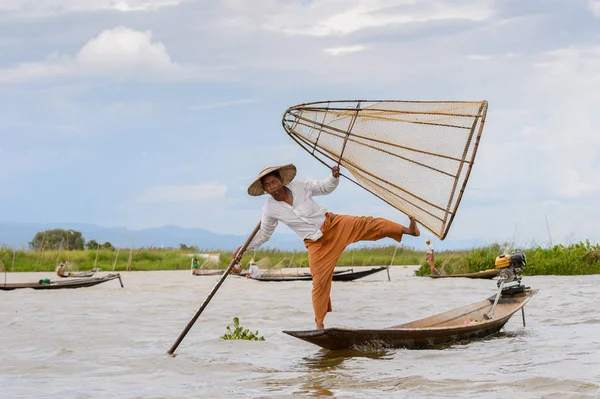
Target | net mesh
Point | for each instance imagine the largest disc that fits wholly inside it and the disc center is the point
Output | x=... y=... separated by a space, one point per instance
x=414 y=155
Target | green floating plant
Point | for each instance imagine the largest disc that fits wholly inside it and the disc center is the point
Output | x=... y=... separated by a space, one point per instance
x=239 y=332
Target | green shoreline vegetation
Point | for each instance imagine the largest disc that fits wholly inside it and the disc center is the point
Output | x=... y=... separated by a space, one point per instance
x=575 y=259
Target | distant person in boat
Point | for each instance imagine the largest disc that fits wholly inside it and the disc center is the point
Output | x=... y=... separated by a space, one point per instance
x=61 y=270
x=325 y=234
x=429 y=257
x=253 y=270
x=195 y=266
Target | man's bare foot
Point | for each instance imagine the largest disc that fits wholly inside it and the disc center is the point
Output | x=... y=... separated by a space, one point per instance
x=320 y=327
x=413 y=229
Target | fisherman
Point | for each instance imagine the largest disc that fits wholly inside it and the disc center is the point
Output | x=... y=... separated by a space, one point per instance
x=429 y=257
x=253 y=270
x=61 y=271
x=195 y=266
x=325 y=234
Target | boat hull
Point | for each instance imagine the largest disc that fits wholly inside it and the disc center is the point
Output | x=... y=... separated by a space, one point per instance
x=209 y=273
x=64 y=284
x=342 y=276
x=486 y=274
x=441 y=329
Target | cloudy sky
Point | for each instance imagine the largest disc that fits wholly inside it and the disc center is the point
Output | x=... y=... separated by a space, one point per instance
x=142 y=113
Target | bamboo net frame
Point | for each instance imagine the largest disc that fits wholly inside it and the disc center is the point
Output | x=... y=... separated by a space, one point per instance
x=416 y=156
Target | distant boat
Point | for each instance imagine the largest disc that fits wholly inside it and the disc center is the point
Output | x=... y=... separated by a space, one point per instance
x=486 y=274
x=467 y=322
x=208 y=273
x=89 y=273
x=55 y=285
x=346 y=275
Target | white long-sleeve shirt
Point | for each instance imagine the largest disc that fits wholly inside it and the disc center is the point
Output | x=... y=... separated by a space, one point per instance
x=305 y=217
x=429 y=248
x=254 y=270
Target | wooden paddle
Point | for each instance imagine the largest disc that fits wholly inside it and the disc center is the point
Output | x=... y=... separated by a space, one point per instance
x=234 y=260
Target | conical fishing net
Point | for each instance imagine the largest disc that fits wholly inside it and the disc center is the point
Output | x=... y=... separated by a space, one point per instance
x=414 y=155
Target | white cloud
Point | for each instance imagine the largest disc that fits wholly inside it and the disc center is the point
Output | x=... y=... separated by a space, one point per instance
x=123 y=49
x=186 y=193
x=49 y=8
x=594 y=5
x=223 y=104
x=118 y=51
x=372 y=14
x=345 y=50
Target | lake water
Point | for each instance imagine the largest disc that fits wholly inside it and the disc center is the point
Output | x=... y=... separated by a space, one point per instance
x=111 y=342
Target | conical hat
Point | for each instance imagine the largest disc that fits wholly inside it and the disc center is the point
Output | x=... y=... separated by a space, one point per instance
x=287 y=173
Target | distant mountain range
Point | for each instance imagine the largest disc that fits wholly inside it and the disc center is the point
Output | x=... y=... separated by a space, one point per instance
x=18 y=235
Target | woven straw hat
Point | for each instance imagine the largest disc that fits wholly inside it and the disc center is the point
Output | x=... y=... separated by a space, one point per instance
x=287 y=172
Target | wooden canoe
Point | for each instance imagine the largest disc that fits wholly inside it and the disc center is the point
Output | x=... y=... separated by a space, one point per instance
x=89 y=273
x=342 y=276
x=209 y=273
x=485 y=274
x=55 y=285
x=278 y=273
x=441 y=329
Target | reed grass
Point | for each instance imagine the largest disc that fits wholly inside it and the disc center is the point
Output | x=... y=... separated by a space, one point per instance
x=176 y=259
x=580 y=258
x=575 y=259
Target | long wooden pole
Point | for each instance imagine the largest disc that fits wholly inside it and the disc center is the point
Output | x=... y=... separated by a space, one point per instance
x=549 y=235
x=214 y=290
x=41 y=248
x=392 y=262
x=58 y=254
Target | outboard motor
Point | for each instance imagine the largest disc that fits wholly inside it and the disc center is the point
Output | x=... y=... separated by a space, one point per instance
x=510 y=268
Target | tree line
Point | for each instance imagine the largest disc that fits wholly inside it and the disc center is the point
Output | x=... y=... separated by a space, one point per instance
x=61 y=239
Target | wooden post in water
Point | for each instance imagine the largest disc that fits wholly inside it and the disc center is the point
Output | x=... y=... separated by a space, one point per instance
x=130 y=260
x=96 y=260
x=116 y=257
x=67 y=255
x=234 y=260
x=12 y=268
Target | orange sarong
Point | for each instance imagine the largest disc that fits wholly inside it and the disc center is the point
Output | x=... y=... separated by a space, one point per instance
x=340 y=231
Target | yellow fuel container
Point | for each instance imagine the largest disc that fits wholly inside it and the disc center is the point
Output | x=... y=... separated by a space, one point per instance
x=502 y=261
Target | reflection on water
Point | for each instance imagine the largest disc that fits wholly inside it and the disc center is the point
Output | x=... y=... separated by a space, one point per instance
x=113 y=341
x=325 y=359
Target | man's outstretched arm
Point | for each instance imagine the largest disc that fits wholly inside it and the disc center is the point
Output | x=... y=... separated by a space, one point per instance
x=326 y=186
x=267 y=227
